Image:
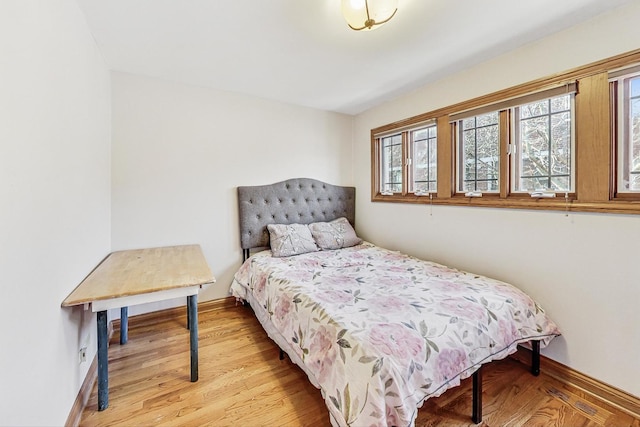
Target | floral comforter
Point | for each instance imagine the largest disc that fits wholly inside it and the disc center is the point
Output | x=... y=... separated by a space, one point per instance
x=381 y=331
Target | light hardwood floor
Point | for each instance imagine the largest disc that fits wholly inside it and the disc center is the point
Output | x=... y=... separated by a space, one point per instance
x=243 y=383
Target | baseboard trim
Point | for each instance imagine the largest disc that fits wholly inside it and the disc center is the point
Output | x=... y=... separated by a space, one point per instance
x=615 y=397
x=75 y=415
x=73 y=420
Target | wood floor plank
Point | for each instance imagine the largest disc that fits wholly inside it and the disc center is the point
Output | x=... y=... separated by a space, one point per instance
x=242 y=382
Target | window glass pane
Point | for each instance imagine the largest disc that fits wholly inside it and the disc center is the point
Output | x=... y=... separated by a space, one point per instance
x=469 y=150
x=634 y=136
x=469 y=123
x=487 y=119
x=629 y=134
x=561 y=144
x=635 y=182
x=534 y=109
x=534 y=183
x=560 y=103
x=559 y=182
x=433 y=169
x=479 y=150
x=391 y=177
x=543 y=135
x=487 y=155
x=635 y=87
x=424 y=159
x=420 y=134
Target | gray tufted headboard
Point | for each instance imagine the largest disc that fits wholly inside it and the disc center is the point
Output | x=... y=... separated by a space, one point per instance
x=299 y=200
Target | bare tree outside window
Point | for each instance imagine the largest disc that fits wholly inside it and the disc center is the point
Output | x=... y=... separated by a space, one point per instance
x=634 y=108
x=479 y=158
x=425 y=161
x=391 y=177
x=543 y=137
x=631 y=150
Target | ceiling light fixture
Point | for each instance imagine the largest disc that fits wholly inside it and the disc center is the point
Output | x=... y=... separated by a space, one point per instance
x=368 y=14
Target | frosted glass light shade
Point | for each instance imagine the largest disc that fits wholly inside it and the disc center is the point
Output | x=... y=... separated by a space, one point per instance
x=368 y=14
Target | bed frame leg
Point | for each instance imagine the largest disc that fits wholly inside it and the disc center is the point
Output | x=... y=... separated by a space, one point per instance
x=281 y=354
x=535 y=358
x=476 y=416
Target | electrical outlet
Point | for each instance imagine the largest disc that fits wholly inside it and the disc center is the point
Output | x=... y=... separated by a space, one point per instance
x=82 y=355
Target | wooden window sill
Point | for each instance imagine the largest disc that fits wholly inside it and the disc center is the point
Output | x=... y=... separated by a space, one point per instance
x=519 y=202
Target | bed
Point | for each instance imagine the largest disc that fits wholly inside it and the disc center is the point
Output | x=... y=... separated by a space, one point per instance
x=377 y=331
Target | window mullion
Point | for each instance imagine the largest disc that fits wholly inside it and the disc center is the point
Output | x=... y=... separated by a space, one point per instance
x=505 y=135
x=550 y=148
x=475 y=155
x=405 y=163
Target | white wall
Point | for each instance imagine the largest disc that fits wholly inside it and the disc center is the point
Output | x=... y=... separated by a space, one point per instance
x=581 y=268
x=179 y=152
x=55 y=198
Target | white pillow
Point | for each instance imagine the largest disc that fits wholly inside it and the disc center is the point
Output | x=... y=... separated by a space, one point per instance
x=335 y=234
x=292 y=239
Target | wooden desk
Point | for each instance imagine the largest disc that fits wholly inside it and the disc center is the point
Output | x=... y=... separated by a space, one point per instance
x=142 y=276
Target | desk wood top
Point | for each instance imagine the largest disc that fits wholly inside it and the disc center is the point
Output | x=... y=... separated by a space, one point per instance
x=141 y=271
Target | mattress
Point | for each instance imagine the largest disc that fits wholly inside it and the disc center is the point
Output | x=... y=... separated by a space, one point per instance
x=379 y=332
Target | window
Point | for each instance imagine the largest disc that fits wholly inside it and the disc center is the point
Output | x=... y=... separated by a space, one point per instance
x=523 y=144
x=626 y=119
x=478 y=142
x=568 y=142
x=392 y=178
x=424 y=169
x=408 y=155
x=543 y=141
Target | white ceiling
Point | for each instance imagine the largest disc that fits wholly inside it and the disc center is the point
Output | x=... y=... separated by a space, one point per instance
x=302 y=52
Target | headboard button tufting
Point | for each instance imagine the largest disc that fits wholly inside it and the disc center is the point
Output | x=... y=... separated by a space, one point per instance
x=297 y=200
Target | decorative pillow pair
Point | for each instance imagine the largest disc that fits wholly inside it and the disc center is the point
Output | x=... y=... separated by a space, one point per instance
x=296 y=239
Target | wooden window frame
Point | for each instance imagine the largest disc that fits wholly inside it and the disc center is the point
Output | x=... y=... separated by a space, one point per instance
x=614 y=81
x=411 y=141
x=515 y=139
x=407 y=173
x=403 y=169
x=595 y=160
x=458 y=140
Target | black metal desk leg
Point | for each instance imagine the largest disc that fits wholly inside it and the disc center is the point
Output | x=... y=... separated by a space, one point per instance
x=192 y=302
x=124 y=325
x=188 y=314
x=103 y=362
